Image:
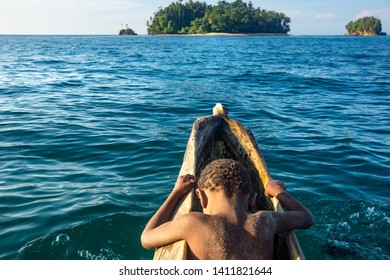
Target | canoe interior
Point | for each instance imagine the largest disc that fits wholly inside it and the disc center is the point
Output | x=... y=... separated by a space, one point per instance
x=222 y=143
x=216 y=137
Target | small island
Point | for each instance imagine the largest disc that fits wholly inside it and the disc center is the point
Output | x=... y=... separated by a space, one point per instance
x=127 y=31
x=365 y=26
x=225 y=18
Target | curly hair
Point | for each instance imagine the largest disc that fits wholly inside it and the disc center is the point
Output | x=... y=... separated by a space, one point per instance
x=226 y=174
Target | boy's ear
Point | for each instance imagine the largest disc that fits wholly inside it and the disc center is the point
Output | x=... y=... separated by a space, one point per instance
x=202 y=197
x=252 y=202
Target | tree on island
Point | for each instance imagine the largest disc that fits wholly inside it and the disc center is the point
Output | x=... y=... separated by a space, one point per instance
x=127 y=31
x=365 y=26
x=199 y=18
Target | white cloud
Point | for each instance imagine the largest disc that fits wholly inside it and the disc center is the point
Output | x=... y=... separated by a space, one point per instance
x=70 y=16
x=382 y=14
x=297 y=13
x=80 y=5
x=324 y=16
x=319 y=16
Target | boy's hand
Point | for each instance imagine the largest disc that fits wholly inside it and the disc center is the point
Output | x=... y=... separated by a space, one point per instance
x=274 y=187
x=184 y=184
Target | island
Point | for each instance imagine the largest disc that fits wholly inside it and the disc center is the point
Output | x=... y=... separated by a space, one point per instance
x=365 y=26
x=127 y=31
x=237 y=17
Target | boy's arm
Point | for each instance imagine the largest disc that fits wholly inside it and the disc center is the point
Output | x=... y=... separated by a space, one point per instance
x=297 y=215
x=160 y=231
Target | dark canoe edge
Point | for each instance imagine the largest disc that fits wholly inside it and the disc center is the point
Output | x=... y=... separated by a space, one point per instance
x=218 y=136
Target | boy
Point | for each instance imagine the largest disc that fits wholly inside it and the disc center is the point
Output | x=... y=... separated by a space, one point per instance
x=225 y=229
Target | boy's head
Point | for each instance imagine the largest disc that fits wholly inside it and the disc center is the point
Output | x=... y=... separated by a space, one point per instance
x=225 y=174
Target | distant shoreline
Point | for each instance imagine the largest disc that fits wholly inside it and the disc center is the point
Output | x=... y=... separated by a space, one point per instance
x=365 y=35
x=216 y=34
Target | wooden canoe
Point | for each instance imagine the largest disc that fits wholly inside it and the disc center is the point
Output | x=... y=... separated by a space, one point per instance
x=215 y=137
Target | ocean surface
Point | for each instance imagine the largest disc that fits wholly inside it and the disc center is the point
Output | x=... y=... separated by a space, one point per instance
x=93 y=130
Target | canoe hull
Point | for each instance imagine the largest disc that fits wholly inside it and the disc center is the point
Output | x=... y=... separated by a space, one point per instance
x=215 y=137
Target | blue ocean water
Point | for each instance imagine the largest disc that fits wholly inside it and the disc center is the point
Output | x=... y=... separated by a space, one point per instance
x=93 y=130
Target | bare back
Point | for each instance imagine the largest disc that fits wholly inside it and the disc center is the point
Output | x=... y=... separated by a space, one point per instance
x=221 y=238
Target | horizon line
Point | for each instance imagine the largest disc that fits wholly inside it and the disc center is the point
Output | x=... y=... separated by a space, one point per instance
x=97 y=34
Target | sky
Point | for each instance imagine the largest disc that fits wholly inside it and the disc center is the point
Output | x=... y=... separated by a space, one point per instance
x=90 y=17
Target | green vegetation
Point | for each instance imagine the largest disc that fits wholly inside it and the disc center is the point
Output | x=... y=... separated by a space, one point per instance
x=199 y=18
x=127 y=31
x=366 y=26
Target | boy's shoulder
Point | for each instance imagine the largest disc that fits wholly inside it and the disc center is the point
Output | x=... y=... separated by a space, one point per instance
x=192 y=217
x=262 y=219
x=261 y=215
x=257 y=220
